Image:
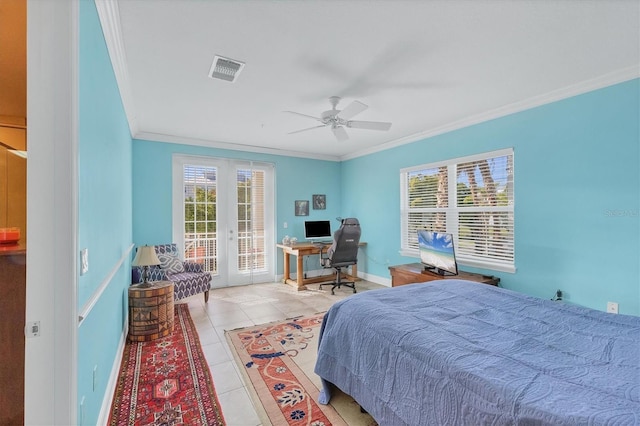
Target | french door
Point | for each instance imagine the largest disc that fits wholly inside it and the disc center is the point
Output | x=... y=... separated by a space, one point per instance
x=223 y=217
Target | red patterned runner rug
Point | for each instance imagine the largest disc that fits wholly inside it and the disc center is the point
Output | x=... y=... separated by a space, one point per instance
x=166 y=381
x=278 y=360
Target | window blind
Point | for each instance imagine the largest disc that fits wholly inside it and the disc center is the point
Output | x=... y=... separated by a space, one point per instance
x=471 y=198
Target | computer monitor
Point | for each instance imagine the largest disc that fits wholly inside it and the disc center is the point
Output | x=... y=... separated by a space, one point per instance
x=317 y=230
x=437 y=253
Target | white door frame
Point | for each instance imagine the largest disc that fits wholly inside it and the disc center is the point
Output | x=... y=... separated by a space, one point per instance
x=52 y=112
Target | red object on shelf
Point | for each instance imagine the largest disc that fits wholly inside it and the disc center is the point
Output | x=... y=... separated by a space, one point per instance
x=9 y=235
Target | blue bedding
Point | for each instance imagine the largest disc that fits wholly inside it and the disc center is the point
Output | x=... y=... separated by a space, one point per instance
x=453 y=352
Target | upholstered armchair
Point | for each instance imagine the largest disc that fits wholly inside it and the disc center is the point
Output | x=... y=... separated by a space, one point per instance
x=188 y=277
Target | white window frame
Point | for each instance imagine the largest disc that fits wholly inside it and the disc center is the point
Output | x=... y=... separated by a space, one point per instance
x=408 y=248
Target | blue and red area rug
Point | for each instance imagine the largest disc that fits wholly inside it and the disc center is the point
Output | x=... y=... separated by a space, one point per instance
x=278 y=360
x=166 y=381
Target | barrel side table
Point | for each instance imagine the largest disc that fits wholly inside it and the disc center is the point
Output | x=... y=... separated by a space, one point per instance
x=150 y=311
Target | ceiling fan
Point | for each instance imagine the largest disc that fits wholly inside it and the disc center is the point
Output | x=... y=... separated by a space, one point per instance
x=339 y=119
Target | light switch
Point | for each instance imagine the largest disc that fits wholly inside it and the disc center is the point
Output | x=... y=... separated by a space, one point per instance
x=84 y=261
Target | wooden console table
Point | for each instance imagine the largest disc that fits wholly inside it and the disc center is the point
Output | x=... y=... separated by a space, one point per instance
x=415 y=273
x=150 y=311
x=300 y=250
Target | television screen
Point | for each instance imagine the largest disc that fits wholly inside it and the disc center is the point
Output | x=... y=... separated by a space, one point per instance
x=437 y=253
x=317 y=229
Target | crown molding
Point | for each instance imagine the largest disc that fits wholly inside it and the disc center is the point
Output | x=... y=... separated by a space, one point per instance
x=109 y=15
x=159 y=137
x=606 y=80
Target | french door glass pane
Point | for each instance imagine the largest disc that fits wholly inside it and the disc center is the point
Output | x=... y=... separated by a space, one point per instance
x=200 y=216
x=251 y=218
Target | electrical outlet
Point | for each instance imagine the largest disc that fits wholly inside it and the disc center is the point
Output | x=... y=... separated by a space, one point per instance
x=612 y=307
x=286 y=225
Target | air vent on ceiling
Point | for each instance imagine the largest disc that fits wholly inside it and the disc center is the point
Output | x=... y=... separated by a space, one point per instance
x=225 y=68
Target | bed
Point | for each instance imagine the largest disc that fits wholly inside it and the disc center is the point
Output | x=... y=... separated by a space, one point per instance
x=453 y=352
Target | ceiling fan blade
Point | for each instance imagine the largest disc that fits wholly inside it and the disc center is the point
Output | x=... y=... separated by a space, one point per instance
x=370 y=125
x=304 y=130
x=353 y=109
x=304 y=115
x=340 y=133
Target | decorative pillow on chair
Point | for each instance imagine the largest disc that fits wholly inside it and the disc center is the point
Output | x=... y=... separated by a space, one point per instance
x=170 y=263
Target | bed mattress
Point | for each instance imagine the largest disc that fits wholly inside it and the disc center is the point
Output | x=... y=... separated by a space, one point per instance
x=453 y=352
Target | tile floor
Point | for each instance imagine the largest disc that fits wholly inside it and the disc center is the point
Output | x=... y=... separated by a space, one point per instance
x=243 y=306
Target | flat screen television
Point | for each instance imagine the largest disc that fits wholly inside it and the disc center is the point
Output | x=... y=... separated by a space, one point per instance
x=317 y=230
x=437 y=253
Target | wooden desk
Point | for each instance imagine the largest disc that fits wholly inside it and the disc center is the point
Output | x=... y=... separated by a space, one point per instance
x=415 y=273
x=300 y=250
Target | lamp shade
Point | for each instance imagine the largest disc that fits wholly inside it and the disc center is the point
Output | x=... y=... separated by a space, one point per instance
x=146 y=256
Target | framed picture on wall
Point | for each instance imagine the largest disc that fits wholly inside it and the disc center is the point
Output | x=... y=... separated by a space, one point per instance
x=302 y=207
x=319 y=201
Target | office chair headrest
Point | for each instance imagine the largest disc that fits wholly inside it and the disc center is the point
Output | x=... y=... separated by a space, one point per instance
x=350 y=221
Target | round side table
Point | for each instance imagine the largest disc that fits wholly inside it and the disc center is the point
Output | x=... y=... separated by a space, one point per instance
x=150 y=311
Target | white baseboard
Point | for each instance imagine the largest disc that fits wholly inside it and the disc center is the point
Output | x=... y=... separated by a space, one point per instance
x=368 y=277
x=110 y=391
x=375 y=279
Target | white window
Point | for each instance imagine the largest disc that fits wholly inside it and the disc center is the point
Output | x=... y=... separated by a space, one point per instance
x=471 y=198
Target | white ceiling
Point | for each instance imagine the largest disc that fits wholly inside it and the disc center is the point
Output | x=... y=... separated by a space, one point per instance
x=425 y=66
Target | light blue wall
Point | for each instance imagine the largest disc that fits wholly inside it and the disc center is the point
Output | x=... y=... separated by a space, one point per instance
x=104 y=216
x=577 y=194
x=295 y=179
x=577 y=184
x=577 y=198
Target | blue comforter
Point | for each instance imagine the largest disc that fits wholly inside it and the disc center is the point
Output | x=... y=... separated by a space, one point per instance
x=454 y=352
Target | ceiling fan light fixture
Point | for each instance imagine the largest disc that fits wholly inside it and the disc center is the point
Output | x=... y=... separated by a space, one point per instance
x=337 y=119
x=225 y=68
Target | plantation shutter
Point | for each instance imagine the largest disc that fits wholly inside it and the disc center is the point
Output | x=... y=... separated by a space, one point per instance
x=426 y=204
x=251 y=219
x=471 y=198
x=485 y=211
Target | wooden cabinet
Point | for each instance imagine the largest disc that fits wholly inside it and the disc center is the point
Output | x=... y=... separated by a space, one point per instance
x=415 y=273
x=150 y=311
x=13 y=274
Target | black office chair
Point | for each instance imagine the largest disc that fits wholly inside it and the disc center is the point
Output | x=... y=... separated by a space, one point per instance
x=343 y=252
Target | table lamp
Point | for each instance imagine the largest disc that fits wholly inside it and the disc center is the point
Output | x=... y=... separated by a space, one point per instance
x=145 y=257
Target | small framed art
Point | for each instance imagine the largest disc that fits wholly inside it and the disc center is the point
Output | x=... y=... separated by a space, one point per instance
x=302 y=207
x=319 y=201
